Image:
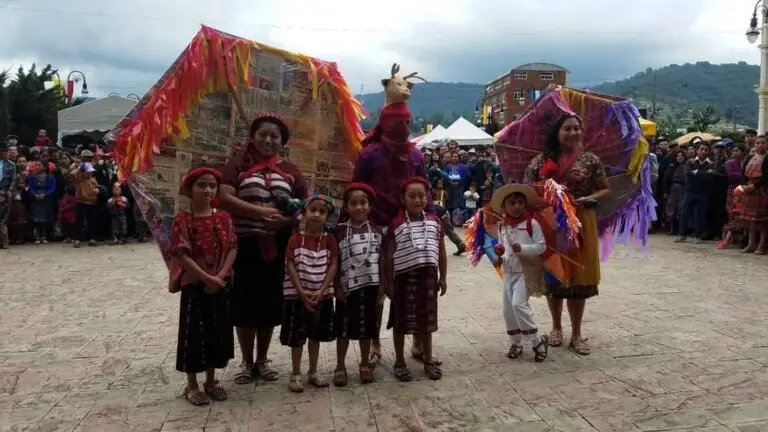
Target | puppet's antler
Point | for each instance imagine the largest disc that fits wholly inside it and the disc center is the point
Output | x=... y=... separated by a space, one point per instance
x=395 y=69
x=414 y=76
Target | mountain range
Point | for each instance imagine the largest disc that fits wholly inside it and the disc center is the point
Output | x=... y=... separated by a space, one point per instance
x=677 y=90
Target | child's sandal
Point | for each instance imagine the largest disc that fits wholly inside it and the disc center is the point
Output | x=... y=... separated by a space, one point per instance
x=402 y=372
x=245 y=375
x=433 y=371
x=217 y=392
x=295 y=385
x=579 y=346
x=340 y=377
x=316 y=381
x=195 y=397
x=540 y=356
x=366 y=375
x=262 y=369
x=514 y=352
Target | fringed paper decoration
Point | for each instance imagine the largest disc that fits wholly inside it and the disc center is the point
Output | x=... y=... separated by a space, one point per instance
x=212 y=62
x=480 y=243
x=566 y=221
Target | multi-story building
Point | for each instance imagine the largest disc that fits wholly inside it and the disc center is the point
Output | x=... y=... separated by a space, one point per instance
x=512 y=93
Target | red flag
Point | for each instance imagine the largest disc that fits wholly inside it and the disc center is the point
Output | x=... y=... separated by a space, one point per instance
x=70 y=90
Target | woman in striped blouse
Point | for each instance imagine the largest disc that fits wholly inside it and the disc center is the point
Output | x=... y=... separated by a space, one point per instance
x=417 y=267
x=257 y=190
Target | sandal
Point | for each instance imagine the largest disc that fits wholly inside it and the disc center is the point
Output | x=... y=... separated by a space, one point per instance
x=760 y=252
x=295 y=385
x=419 y=357
x=340 y=377
x=217 y=392
x=366 y=375
x=540 y=356
x=514 y=352
x=579 y=346
x=316 y=381
x=374 y=359
x=402 y=372
x=245 y=375
x=555 y=338
x=433 y=370
x=195 y=397
x=262 y=370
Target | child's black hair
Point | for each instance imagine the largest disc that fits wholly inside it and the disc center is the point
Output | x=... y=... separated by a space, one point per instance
x=473 y=184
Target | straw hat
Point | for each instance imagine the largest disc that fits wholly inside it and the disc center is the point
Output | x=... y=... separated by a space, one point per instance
x=497 y=201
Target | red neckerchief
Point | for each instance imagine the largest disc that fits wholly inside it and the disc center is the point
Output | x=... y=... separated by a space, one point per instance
x=269 y=164
x=514 y=222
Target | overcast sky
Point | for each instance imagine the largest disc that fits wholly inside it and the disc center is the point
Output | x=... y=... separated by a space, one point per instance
x=124 y=46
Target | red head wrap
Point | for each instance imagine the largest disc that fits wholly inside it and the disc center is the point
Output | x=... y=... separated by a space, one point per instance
x=361 y=187
x=412 y=180
x=193 y=174
x=393 y=129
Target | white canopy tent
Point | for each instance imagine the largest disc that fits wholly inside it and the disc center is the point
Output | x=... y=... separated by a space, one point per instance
x=466 y=134
x=100 y=115
x=435 y=134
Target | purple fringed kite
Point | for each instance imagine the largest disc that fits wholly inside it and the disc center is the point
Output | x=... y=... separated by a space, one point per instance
x=612 y=131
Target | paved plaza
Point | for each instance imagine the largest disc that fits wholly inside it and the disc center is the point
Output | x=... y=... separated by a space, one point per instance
x=88 y=339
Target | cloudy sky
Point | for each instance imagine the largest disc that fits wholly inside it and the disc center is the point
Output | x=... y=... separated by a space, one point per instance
x=123 y=46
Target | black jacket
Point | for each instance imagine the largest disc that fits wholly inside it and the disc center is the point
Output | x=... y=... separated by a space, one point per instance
x=697 y=179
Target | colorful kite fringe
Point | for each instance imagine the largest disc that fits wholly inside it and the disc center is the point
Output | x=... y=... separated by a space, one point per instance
x=567 y=222
x=213 y=62
x=480 y=242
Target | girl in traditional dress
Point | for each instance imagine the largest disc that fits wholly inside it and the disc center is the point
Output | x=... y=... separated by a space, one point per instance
x=674 y=187
x=42 y=192
x=755 y=200
x=358 y=281
x=732 y=203
x=416 y=271
x=311 y=259
x=203 y=248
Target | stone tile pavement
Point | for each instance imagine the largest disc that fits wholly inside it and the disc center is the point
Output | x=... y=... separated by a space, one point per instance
x=87 y=343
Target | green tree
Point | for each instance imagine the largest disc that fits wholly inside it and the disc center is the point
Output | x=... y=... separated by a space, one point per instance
x=705 y=117
x=31 y=105
x=5 y=107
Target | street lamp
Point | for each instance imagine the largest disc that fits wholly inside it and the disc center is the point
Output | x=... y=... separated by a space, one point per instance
x=752 y=33
x=133 y=96
x=77 y=77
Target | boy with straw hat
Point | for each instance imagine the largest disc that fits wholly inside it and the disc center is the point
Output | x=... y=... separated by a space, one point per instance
x=521 y=243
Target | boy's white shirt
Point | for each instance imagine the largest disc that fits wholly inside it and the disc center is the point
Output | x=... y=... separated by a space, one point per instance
x=471 y=198
x=530 y=245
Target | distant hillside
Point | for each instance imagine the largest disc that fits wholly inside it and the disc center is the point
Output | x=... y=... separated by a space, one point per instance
x=680 y=89
x=729 y=87
x=435 y=102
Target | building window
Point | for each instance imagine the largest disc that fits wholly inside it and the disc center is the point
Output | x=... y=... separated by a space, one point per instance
x=517 y=95
x=521 y=75
x=547 y=76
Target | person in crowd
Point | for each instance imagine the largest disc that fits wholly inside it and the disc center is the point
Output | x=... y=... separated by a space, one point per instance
x=17 y=220
x=521 y=243
x=118 y=207
x=750 y=136
x=42 y=140
x=87 y=209
x=755 y=199
x=42 y=194
x=257 y=190
x=582 y=173
x=674 y=189
x=67 y=214
x=717 y=215
x=487 y=187
x=7 y=188
x=471 y=200
x=699 y=174
x=458 y=175
x=359 y=281
x=311 y=262
x=733 y=206
x=203 y=250
x=440 y=197
x=416 y=270
x=690 y=152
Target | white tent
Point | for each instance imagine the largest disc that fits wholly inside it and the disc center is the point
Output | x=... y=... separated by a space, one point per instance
x=467 y=134
x=100 y=115
x=435 y=134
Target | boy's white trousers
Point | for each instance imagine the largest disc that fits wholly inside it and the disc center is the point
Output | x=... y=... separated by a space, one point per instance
x=518 y=314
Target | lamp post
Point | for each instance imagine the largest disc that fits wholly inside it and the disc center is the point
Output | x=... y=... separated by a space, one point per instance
x=77 y=76
x=752 y=34
x=134 y=96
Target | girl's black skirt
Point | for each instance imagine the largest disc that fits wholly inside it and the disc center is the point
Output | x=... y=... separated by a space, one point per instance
x=205 y=330
x=300 y=324
x=357 y=318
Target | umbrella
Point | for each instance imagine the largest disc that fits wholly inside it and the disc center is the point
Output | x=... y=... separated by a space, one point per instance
x=687 y=138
